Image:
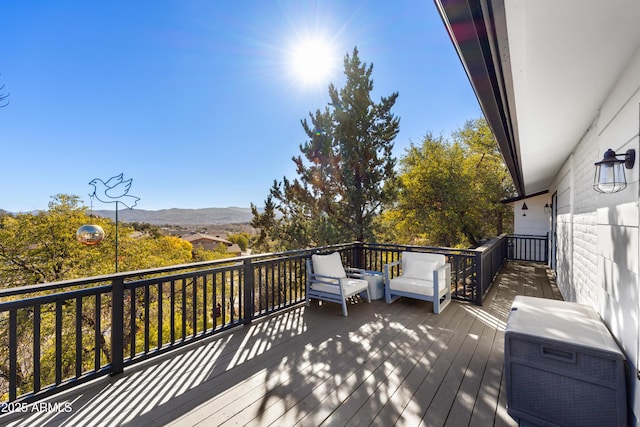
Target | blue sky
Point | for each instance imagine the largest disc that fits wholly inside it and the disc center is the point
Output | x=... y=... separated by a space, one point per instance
x=199 y=101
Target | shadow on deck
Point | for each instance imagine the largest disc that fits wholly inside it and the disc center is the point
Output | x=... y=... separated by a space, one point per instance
x=395 y=364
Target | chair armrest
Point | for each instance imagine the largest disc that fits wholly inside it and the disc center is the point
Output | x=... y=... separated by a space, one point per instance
x=442 y=270
x=387 y=267
x=443 y=274
x=443 y=267
x=355 y=273
x=319 y=278
x=394 y=263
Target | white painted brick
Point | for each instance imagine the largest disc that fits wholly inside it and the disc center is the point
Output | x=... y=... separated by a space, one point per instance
x=620 y=245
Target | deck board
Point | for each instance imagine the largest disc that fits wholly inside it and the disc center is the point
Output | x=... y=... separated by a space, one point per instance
x=468 y=392
x=439 y=337
x=396 y=364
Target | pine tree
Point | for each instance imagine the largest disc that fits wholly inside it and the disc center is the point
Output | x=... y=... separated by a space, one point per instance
x=345 y=169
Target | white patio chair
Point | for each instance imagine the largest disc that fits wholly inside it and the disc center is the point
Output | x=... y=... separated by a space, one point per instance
x=328 y=280
x=424 y=276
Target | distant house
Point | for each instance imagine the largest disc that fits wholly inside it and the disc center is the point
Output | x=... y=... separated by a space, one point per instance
x=234 y=249
x=211 y=243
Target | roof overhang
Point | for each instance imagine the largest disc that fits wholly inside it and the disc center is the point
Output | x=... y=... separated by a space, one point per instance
x=517 y=199
x=541 y=70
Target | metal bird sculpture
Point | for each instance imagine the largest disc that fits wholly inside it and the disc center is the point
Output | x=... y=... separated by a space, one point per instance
x=114 y=190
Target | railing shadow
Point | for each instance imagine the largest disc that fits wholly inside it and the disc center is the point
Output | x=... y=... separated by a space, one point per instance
x=311 y=365
x=254 y=289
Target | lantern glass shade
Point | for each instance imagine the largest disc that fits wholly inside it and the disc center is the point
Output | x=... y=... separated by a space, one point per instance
x=90 y=234
x=610 y=178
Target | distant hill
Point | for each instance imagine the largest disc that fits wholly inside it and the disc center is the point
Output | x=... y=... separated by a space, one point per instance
x=175 y=216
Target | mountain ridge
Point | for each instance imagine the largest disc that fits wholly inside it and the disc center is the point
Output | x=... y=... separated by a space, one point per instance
x=180 y=216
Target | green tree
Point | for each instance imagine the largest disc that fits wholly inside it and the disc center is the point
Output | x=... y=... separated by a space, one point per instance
x=268 y=226
x=450 y=192
x=491 y=179
x=41 y=247
x=344 y=172
x=240 y=239
x=201 y=254
x=138 y=253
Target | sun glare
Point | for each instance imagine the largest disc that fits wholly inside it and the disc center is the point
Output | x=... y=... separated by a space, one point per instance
x=313 y=61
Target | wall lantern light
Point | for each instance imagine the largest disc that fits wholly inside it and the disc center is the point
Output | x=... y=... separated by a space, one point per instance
x=609 y=176
x=547 y=208
x=525 y=208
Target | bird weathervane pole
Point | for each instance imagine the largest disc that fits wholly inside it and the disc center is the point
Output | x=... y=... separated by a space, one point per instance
x=115 y=190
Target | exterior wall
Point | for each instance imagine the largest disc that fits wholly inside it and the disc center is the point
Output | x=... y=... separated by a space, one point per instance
x=536 y=223
x=598 y=234
x=564 y=234
x=585 y=224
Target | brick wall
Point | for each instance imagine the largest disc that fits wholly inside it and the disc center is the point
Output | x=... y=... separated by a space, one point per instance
x=585 y=222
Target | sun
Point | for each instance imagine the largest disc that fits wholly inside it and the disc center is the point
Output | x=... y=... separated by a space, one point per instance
x=313 y=61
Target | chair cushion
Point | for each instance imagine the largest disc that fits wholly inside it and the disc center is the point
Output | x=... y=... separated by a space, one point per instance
x=415 y=286
x=325 y=287
x=350 y=286
x=422 y=270
x=422 y=256
x=328 y=265
x=353 y=286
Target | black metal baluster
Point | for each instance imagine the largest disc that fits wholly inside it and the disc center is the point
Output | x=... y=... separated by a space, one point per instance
x=173 y=312
x=117 y=326
x=160 y=319
x=184 y=309
x=146 y=318
x=78 y=337
x=205 y=315
x=36 y=347
x=58 y=342
x=13 y=354
x=97 y=325
x=132 y=322
x=194 y=305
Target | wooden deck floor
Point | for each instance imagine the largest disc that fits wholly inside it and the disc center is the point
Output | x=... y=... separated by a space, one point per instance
x=383 y=365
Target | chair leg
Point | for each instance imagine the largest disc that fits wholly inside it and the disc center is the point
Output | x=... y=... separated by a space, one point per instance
x=438 y=305
x=344 y=307
x=436 y=295
x=445 y=301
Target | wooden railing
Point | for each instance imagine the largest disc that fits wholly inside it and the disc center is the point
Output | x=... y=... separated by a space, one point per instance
x=54 y=336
